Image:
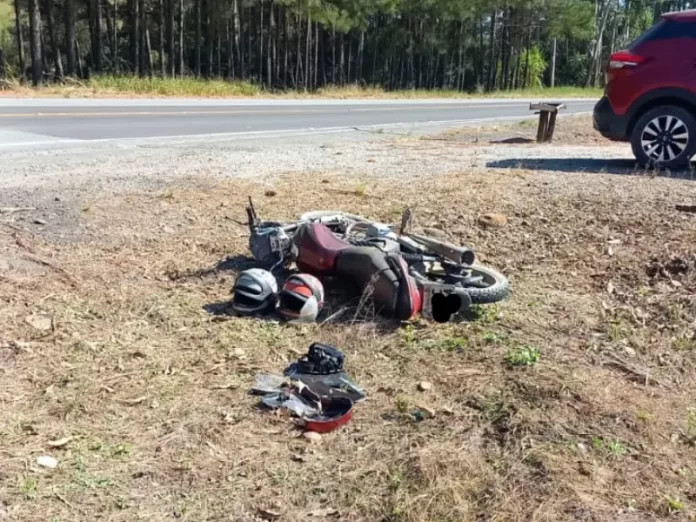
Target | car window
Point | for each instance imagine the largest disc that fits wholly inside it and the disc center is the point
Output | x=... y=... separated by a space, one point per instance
x=665 y=30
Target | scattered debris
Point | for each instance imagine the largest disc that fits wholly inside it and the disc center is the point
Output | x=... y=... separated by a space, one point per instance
x=424 y=386
x=270 y=193
x=672 y=267
x=60 y=442
x=270 y=514
x=133 y=402
x=46 y=461
x=41 y=322
x=686 y=208
x=12 y=210
x=315 y=388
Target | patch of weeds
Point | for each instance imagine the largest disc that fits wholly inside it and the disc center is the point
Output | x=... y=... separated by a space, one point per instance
x=673 y=504
x=493 y=337
x=93 y=482
x=401 y=404
x=484 y=314
x=360 y=190
x=533 y=303
x=494 y=409
x=522 y=356
x=453 y=344
x=683 y=343
x=644 y=416
x=167 y=195
x=29 y=488
x=691 y=423
x=271 y=333
x=121 y=450
x=616 y=331
x=410 y=335
x=614 y=448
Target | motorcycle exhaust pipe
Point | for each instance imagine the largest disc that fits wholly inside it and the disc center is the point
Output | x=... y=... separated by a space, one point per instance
x=453 y=253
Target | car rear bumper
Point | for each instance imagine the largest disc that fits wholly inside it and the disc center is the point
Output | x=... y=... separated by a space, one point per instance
x=608 y=123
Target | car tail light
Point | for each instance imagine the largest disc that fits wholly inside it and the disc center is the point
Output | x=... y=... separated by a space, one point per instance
x=623 y=60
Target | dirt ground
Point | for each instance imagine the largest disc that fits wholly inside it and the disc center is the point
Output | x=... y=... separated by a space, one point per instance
x=116 y=359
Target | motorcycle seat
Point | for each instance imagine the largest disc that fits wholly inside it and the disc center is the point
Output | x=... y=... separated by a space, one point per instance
x=318 y=248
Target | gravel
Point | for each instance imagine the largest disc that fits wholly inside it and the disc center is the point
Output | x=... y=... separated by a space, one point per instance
x=59 y=182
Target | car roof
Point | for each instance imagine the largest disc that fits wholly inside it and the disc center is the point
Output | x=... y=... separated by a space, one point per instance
x=681 y=15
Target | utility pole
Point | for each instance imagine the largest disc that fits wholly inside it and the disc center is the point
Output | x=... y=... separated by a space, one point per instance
x=553 y=64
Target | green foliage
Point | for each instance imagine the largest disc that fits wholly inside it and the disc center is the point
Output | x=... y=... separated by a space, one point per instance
x=535 y=65
x=522 y=356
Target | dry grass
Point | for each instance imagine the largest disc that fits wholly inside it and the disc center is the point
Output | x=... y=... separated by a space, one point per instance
x=133 y=86
x=152 y=388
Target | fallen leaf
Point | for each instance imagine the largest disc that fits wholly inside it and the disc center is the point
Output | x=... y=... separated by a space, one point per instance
x=40 y=322
x=60 y=442
x=45 y=461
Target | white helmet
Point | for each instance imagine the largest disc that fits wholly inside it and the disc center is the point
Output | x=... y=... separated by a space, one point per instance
x=301 y=298
x=255 y=291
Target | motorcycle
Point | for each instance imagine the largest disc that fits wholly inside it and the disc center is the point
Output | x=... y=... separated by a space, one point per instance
x=405 y=273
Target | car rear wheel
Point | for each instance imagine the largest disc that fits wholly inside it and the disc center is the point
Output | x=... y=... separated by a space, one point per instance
x=664 y=137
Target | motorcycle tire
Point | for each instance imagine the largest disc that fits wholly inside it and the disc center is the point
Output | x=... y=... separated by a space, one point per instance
x=497 y=289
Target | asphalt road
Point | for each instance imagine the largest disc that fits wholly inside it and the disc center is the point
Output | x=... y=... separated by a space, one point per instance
x=48 y=121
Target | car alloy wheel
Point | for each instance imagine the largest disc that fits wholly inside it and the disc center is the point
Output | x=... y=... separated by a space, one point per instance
x=664 y=138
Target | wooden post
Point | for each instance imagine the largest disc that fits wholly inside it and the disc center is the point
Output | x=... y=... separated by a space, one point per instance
x=543 y=124
x=551 y=127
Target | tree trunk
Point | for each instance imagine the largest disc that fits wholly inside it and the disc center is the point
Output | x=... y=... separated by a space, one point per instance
x=236 y=35
x=145 y=56
x=198 y=36
x=361 y=52
x=35 y=43
x=298 y=60
x=316 y=55
x=148 y=51
x=2 y=65
x=114 y=40
x=270 y=49
x=181 y=69
x=308 y=72
x=97 y=36
x=286 y=50
x=553 y=63
x=492 y=66
x=55 y=48
x=19 y=38
x=342 y=62
x=230 y=51
x=134 y=50
x=78 y=54
x=160 y=49
x=261 y=40
x=169 y=33
x=219 y=52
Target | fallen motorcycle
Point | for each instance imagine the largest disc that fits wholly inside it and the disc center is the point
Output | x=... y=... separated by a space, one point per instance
x=405 y=273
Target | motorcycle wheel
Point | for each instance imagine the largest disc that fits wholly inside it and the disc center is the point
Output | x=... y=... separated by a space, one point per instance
x=493 y=287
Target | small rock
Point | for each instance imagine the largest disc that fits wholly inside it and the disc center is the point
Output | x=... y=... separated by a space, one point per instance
x=424 y=386
x=46 y=461
x=629 y=351
x=312 y=436
x=39 y=222
x=676 y=284
x=447 y=410
x=582 y=448
x=428 y=412
x=614 y=241
x=270 y=193
x=299 y=458
x=168 y=230
x=610 y=288
x=40 y=322
x=325 y=181
x=238 y=353
x=492 y=220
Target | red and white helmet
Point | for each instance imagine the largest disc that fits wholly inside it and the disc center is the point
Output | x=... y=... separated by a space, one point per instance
x=301 y=298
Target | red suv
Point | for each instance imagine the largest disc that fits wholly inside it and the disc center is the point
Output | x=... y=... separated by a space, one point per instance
x=650 y=95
